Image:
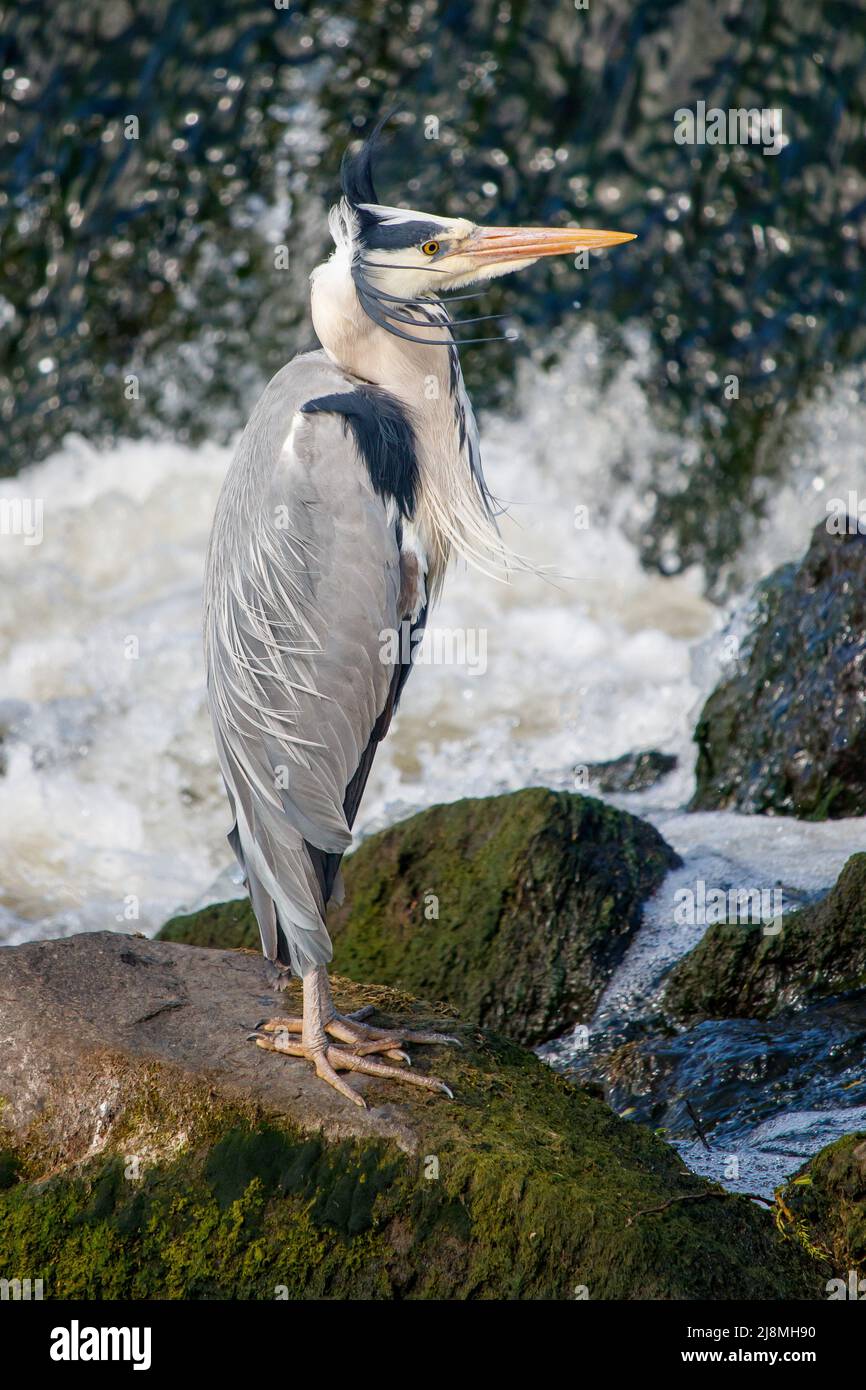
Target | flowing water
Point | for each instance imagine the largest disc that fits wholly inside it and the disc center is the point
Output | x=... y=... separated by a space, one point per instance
x=111 y=809
x=651 y=506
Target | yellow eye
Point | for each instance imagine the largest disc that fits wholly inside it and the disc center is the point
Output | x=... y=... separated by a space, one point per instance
x=430 y=248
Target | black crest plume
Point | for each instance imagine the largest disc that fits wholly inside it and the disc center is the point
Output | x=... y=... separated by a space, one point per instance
x=356 y=172
x=389 y=310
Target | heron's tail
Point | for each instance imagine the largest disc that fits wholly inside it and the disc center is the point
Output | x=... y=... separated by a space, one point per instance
x=292 y=928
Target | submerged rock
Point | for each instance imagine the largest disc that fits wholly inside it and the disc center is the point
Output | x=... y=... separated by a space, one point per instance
x=151 y=1151
x=786 y=733
x=516 y=908
x=633 y=772
x=770 y=1091
x=736 y=971
x=825 y=1205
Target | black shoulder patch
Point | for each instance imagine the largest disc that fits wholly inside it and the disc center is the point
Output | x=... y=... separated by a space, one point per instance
x=384 y=437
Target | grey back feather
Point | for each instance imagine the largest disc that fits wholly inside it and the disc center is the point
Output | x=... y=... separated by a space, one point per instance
x=303 y=575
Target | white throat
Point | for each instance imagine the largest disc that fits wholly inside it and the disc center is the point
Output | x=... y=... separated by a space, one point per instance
x=426 y=378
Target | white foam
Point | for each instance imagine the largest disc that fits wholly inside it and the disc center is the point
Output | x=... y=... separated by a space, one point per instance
x=112 y=791
x=769 y=1153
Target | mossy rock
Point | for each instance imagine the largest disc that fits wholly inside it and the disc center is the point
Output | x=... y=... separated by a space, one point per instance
x=516 y=909
x=786 y=733
x=736 y=971
x=225 y=926
x=162 y=1155
x=824 y=1205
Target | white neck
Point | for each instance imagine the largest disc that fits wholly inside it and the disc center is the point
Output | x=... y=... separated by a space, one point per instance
x=427 y=380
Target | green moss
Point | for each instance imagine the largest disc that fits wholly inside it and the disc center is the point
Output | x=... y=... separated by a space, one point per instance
x=825 y=1204
x=516 y=909
x=521 y=1188
x=223 y=925
x=10 y=1168
x=738 y=972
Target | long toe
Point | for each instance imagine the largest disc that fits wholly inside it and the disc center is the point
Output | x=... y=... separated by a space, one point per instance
x=342 y=1058
x=327 y=1072
x=441 y=1038
x=395 y=1036
x=358 y=1014
x=282 y=1025
x=364 y=1042
x=281 y=1042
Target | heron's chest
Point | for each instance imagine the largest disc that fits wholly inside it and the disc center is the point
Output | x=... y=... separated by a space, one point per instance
x=446 y=498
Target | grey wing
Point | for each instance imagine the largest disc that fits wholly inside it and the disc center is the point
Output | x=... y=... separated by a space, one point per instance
x=303 y=580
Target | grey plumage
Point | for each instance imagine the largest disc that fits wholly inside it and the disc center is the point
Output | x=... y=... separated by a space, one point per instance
x=356 y=479
x=303 y=577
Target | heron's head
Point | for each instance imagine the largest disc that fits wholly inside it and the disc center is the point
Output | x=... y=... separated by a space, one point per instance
x=400 y=255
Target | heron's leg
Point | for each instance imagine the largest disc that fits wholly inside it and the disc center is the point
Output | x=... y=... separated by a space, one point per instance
x=321 y=1019
x=350 y=1028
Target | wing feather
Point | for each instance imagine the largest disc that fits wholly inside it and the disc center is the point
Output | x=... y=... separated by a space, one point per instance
x=303 y=579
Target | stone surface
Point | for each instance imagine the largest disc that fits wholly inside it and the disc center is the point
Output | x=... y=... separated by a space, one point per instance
x=736 y=971
x=786 y=733
x=147 y=1150
x=633 y=772
x=515 y=909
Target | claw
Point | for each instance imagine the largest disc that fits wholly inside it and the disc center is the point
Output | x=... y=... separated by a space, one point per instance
x=324 y=1069
x=358 y=1046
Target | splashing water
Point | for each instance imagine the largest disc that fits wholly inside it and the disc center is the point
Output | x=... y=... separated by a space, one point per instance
x=111 y=808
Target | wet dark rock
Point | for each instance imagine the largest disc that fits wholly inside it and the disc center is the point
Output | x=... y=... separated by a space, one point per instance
x=737 y=971
x=736 y=1073
x=516 y=909
x=633 y=772
x=786 y=733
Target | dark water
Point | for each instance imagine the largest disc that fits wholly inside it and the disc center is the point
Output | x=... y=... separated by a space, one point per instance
x=154 y=256
x=746 y=1101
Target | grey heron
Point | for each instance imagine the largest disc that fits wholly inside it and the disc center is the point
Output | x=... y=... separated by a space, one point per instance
x=356 y=480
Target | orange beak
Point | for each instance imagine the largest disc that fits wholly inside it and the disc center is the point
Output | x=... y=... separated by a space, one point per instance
x=519 y=243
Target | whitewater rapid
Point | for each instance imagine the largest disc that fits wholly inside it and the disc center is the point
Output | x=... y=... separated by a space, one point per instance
x=111 y=808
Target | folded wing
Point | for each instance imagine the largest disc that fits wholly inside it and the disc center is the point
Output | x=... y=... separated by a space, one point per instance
x=302 y=588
